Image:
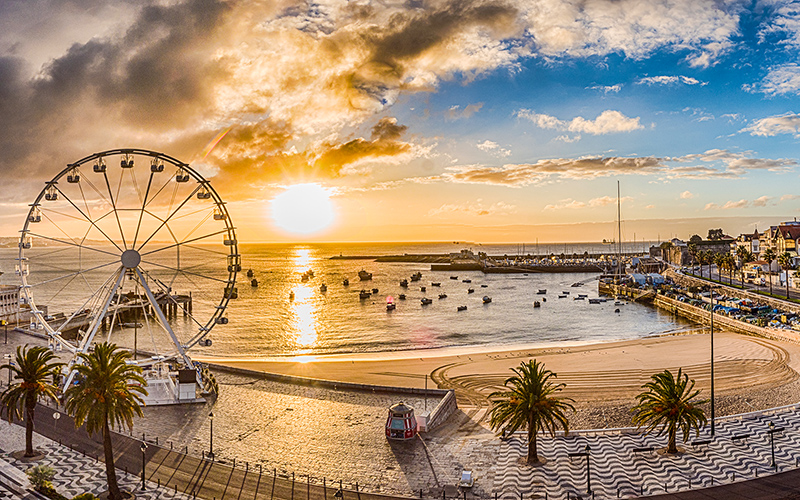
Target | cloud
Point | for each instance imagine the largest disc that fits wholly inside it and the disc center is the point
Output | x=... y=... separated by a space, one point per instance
x=669 y=80
x=712 y=164
x=478 y=208
x=759 y=202
x=686 y=195
x=788 y=123
x=456 y=113
x=606 y=89
x=780 y=80
x=788 y=197
x=494 y=149
x=762 y=201
x=569 y=203
x=608 y=122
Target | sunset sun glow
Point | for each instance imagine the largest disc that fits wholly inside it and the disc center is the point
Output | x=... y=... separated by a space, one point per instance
x=303 y=209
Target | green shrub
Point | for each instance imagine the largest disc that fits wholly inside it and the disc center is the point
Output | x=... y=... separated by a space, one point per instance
x=50 y=493
x=84 y=496
x=41 y=476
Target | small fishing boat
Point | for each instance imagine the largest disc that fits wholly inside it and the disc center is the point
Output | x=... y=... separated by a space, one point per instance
x=616 y=310
x=346 y=282
x=416 y=276
x=422 y=289
x=304 y=278
x=466 y=281
x=470 y=290
x=484 y=286
x=542 y=291
x=364 y=276
x=363 y=294
x=254 y=283
x=619 y=303
x=402 y=296
x=323 y=288
x=453 y=277
x=390 y=303
x=374 y=290
x=584 y=295
x=544 y=299
x=435 y=283
x=310 y=273
x=291 y=295
x=425 y=301
x=404 y=283
x=576 y=284
x=595 y=301
x=562 y=296
x=564 y=293
x=442 y=295
x=250 y=273
x=578 y=298
x=462 y=308
x=536 y=303
x=486 y=299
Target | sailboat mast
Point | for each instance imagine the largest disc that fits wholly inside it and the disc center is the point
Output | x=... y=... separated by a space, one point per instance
x=619 y=234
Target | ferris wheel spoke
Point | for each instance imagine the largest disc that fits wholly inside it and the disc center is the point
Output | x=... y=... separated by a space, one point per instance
x=169 y=297
x=165 y=221
x=88 y=219
x=85 y=203
x=161 y=317
x=36 y=235
x=114 y=208
x=201 y=249
x=74 y=274
x=158 y=192
x=142 y=211
x=185 y=272
x=94 y=188
x=181 y=243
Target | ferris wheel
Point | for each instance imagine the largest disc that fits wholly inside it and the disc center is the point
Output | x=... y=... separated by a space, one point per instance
x=130 y=246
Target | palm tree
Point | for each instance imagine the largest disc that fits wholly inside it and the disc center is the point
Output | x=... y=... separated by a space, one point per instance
x=669 y=403
x=106 y=391
x=693 y=253
x=769 y=256
x=702 y=256
x=530 y=403
x=35 y=373
x=745 y=256
x=785 y=261
x=730 y=262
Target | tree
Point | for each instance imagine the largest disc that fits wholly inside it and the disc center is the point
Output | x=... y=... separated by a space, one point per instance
x=34 y=374
x=769 y=256
x=730 y=263
x=785 y=261
x=693 y=252
x=669 y=403
x=107 y=391
x=715 y=234
x=744 y=256
x=531 y=403
x=696 y=239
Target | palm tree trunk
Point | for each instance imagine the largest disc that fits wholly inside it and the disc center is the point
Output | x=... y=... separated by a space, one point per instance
x=30 y=405
x=533 y=455
x=671 y=448
x=111 y=473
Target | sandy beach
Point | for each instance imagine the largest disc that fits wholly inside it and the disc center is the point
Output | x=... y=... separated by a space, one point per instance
x=750 y=373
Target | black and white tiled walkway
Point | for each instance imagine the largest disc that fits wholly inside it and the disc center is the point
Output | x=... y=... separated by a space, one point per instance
x=617 y=471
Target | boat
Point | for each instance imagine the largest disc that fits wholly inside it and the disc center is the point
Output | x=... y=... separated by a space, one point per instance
x=564 y=293
x=425 y=301
x=442 y=295
x=310 y=273
x=542 y=291
x=422 y=289
x=616 y=310
x=595 y=301
x=435 y=283
x=291 y=295
x=618 y=303
x=486 y=299
x=131 y=325
x=416 y=276
x=363 y=294
x=562 y=296
x=576 y=284
x=544 y=299
x=536 y=303
x=323 y=288
x=346 y=282
x=484 y=286
x=404 y=283
x=466 y=281
x=470 y=290
x=402 y=296
x=583 y=295
x=254 y=282
x=364 y=276
x=390 y=306
x=374 y=290
x=250 y=273
x=304 y=278
x=453 y=277
x=579 y=298
x=462 y=308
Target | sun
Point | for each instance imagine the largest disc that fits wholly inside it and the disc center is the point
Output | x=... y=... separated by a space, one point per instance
x=303 y=209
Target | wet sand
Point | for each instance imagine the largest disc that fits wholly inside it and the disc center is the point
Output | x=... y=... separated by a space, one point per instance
x=750 y=373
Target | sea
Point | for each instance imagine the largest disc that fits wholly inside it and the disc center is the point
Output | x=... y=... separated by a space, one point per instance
x=265 y=322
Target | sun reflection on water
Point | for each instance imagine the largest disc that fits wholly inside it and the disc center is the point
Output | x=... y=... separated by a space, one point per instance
x=303 y=308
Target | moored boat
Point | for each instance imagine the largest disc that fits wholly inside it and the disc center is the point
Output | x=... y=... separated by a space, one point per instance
x=346 y=282
x=402 y=296
x=536 y=303
x=453 y=277
x=470 y=290
x=416 y=276
x=435 y=283
x=541 y=291
x=363 y=294
x=364 y=275
x=425 y=301
x=374 y=290
x=323 y=288
x=466 y=281
x=254 y=283
x=486 y=299
x=404 y=283
x=462 y=308
x=250 y=273
x=442 y=295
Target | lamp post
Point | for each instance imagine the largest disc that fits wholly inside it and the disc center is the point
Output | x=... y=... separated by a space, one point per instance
x=587 y=449
x=143 y=447
x=56 y=416
x=211 y=435
x=5 y=325
x=712 y=361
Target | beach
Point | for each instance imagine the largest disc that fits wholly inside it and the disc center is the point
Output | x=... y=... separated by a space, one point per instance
x=750 y=373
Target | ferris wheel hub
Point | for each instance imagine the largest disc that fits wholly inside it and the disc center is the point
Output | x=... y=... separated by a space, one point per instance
x=131 y=259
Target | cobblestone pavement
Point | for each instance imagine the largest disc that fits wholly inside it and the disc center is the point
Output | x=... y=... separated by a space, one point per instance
x=75 y=473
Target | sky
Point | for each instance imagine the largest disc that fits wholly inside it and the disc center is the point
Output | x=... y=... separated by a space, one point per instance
x=486 y=121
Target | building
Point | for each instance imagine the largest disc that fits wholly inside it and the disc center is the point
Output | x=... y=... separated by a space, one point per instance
x=9 y=304
x=787 y=239
x=750 y=242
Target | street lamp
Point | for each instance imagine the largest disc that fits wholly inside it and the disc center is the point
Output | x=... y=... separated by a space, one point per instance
x=712 y=360
x=211 y=435
x=5 y=325
x=143 y=447
x=56 y=416
x=587 y=449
